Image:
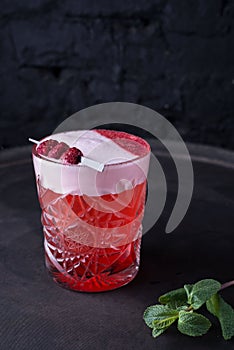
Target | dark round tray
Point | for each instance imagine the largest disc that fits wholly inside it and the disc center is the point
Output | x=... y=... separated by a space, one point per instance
x=38 y=314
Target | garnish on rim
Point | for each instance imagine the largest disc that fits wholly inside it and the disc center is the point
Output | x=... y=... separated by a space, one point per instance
x=60 y=151
x=72 y=156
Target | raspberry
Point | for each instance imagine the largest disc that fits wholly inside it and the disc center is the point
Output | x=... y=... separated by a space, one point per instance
x=58 y=150
x=45 y=147
x=72 y=156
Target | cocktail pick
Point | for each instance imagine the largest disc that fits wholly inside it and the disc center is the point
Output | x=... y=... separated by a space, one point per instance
x=84 y=160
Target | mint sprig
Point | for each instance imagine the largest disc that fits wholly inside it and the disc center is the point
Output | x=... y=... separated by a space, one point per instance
x=179 y=305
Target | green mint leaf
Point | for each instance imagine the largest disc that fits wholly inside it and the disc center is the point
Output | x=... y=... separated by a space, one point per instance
x=225 y=314
x=188 y=288
x=152 y=312
x=165 y=319
x=174 y=299
x=159 y=316
x=156 y=332
x=203 y=291
x=184 y=307
x=193 y=324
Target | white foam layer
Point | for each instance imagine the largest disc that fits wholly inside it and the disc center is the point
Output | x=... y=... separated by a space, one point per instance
x=123 y=170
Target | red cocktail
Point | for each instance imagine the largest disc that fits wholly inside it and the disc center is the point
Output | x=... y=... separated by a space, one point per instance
x=92 y=220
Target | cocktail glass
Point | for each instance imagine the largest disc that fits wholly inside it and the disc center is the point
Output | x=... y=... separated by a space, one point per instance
x=92 y=221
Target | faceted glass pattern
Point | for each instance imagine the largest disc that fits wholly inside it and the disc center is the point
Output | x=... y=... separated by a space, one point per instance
x=87 y=247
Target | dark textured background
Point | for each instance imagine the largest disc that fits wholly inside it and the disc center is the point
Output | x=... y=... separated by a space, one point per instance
x=57 y=57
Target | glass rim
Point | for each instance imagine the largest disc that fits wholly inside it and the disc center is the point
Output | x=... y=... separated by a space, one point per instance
x=79 y=165
x=147 y=147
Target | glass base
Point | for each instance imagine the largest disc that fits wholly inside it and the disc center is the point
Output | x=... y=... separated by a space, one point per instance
x=94 y=269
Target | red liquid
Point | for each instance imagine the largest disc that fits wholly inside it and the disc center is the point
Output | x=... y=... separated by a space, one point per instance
x=89 y=249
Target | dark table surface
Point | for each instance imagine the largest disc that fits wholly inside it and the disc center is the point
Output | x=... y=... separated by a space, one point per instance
x=37 y=314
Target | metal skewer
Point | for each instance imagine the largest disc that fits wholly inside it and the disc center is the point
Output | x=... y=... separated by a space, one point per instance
x=84 y=161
